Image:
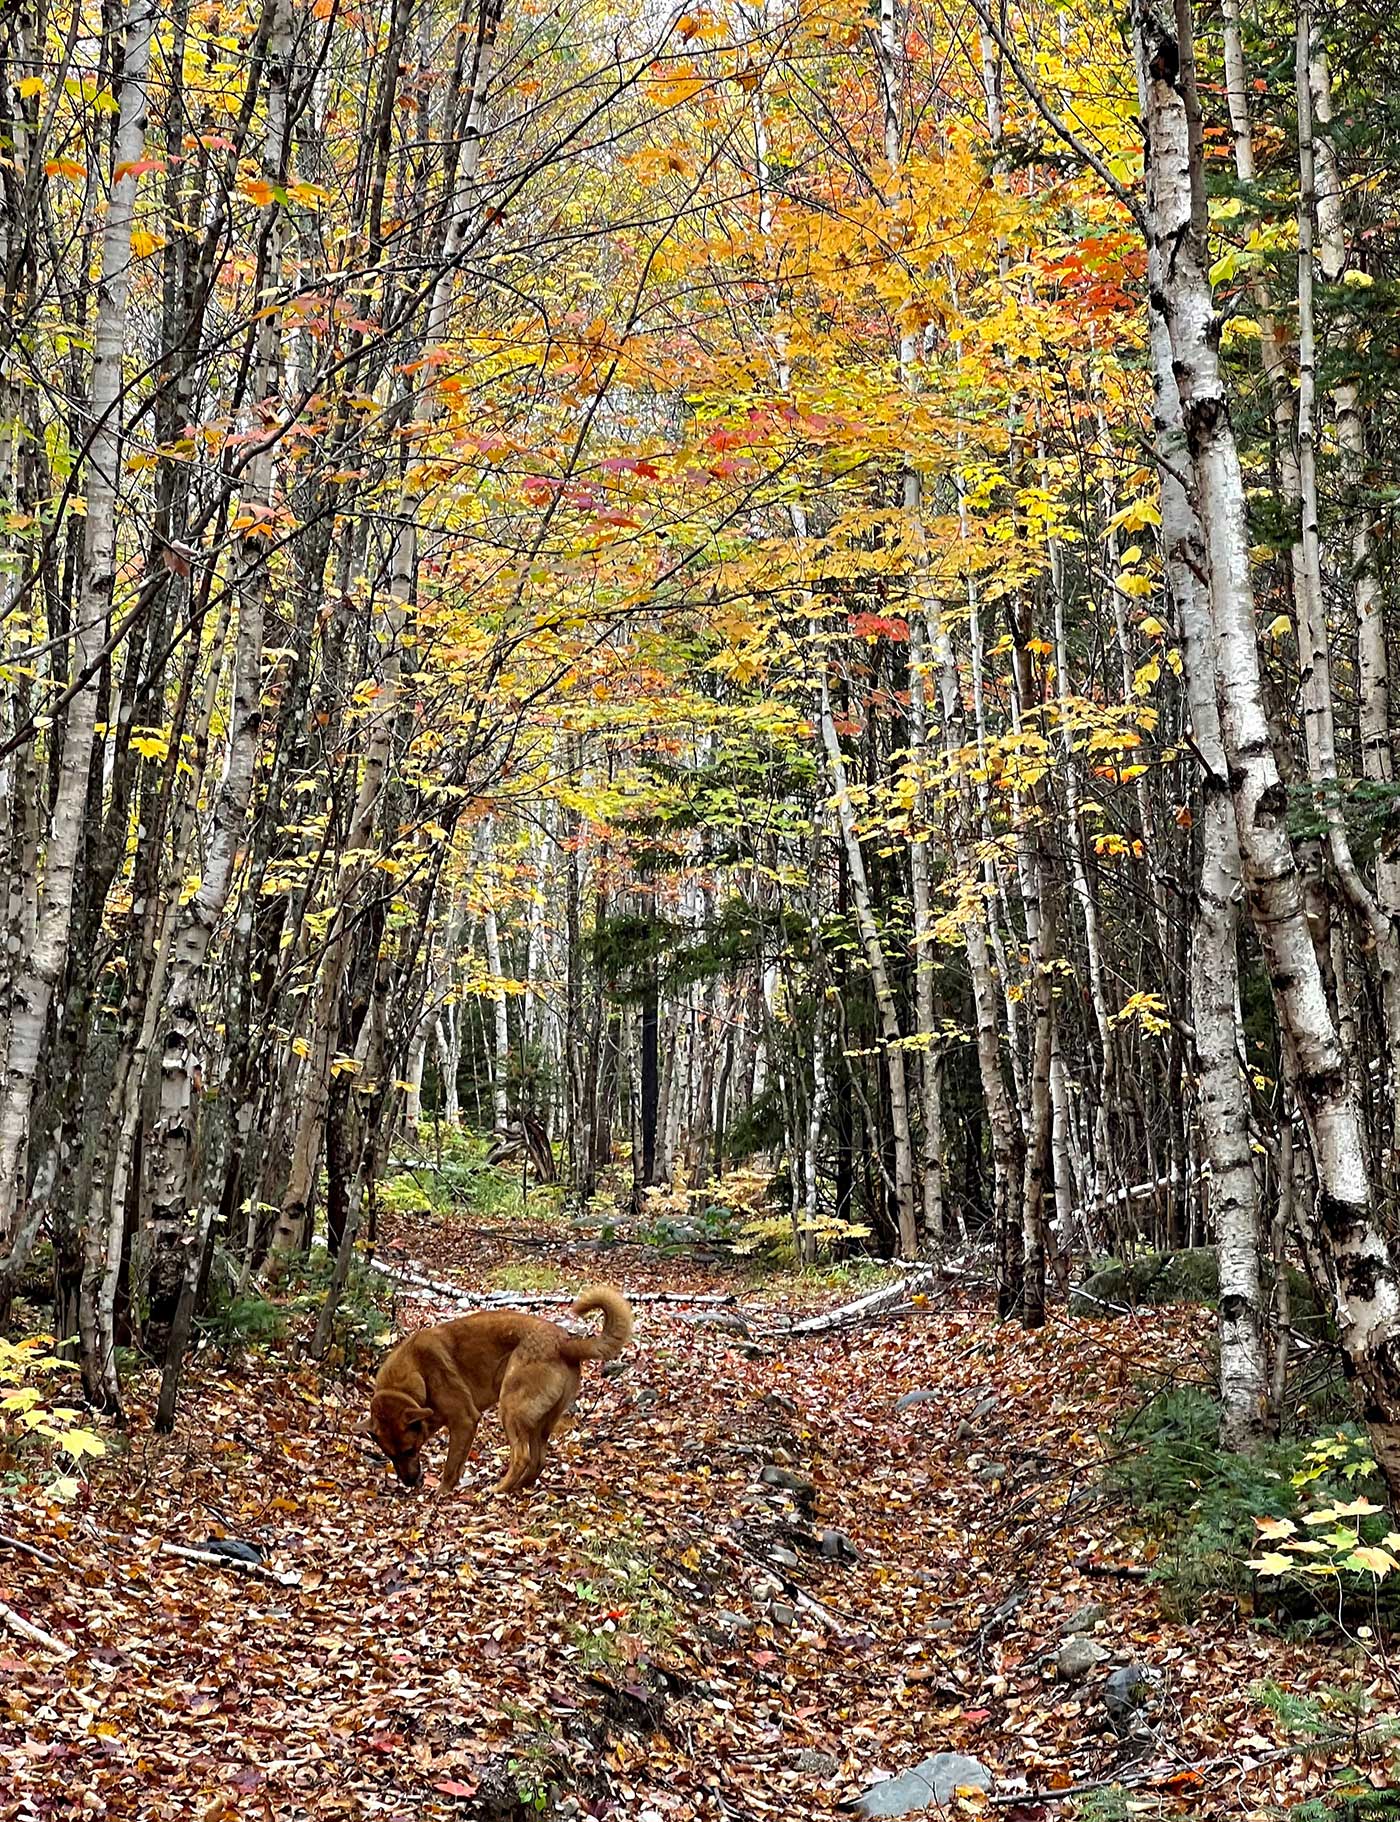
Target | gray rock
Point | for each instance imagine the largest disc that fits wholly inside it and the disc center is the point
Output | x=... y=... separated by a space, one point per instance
x=1191 y=1276
x=752 y=1351
x=822 y=1764
x=836 y=1546
x=1126 y=1692
x=934 y=1781
x=984 y=1408
x=925 y=1395
x=727 y=1322
x=681 y=1233
x=732 y=1622
x=1084 y=1619
x=785 y=1559
x=1078 y=1656
x=613 y=1369
x=965 y=1431
x=781 y=1614
x=783 y=1478
x=778 y=1404
x=992 y=1471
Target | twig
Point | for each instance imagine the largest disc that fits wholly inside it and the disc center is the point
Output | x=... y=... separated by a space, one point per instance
x=229 y=1562
x=1150 y=1777
x=35 y=1634
x=40 y=1556
x=1058 y=126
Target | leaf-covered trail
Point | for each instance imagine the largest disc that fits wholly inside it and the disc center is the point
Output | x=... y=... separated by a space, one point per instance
x=653 y=1632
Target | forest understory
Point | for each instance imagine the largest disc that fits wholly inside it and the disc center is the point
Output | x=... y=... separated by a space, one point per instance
x=765 y=1572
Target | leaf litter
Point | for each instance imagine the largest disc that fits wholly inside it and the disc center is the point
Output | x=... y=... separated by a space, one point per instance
x=261 y=1624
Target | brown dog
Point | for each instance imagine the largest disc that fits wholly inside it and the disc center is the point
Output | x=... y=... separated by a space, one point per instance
x=445 y=1377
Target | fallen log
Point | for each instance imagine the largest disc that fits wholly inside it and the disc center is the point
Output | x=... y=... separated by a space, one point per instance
x=514 y=1300
x=287 y=1579
x=26 y=1629
x=864 y=1309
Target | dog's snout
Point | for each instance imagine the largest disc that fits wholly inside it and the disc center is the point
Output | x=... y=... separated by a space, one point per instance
x=409 y=1472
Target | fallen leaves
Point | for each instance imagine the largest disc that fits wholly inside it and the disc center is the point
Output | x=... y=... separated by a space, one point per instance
x=655 y=1629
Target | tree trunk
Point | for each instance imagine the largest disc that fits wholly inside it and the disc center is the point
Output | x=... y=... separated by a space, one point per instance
x=1365 y=1280
x=171 y=1249
x=885 y=1005
x=37 y=973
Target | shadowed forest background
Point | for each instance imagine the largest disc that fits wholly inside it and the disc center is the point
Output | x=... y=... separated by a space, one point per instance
x=743 y=650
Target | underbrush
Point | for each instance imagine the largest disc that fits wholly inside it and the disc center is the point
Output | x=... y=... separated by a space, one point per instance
x=455 y=1177
x=1346 y=1720
x=1296 y=1534
x=529 y=1275
x=37 y=1425
x=628 y=1608
x=264 y=1314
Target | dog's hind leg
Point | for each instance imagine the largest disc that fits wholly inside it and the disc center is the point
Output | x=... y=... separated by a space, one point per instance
x=517 y=1472
x=562 y=1418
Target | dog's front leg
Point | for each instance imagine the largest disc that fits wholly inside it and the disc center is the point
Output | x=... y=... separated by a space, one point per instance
x=463 y=1433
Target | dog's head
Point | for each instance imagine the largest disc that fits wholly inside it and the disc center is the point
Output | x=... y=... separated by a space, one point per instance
x=400 y=1425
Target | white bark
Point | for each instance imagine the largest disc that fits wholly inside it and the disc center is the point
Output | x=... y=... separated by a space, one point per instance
x=873 y=948
x=172 y=1140
x=38 y=972
x=500 y=1055
x=461 y=220
x=1372 y=658
x=1367 y=1291
x=1314 y=644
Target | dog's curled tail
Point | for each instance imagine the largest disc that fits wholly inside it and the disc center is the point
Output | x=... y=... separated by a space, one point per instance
x=616 y=1331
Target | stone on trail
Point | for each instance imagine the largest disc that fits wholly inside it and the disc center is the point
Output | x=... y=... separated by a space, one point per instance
x=1126 y=1693
x=935 y=1781
x=837 y=1547
x=925 y=1395
x=1078 y=1656
x=773 y=1476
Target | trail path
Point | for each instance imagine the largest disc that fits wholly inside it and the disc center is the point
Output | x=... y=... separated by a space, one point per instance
x=655 y=1631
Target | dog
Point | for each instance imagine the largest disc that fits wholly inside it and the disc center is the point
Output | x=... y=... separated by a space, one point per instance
x=445 y=1377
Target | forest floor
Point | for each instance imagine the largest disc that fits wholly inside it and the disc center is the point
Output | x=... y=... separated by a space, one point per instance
x=653 y=1632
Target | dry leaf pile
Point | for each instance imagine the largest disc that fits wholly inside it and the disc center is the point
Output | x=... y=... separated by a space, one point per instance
x=747 y=1587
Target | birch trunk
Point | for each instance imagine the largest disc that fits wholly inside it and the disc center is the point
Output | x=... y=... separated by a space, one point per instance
x=1221 y=1099
x=925 y=951
x=1365 y=1279
x=1372 y=657
x=500 y=1055
x=885 y=1006
x=37 y=974
x=1383 y=941
x=462 y=216
x=171 y=1150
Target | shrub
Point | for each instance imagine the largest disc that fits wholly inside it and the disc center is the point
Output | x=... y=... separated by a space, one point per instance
x=31 y=1425
x=1200 y=1500
x=258 y=1316
x=1329 y=1716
